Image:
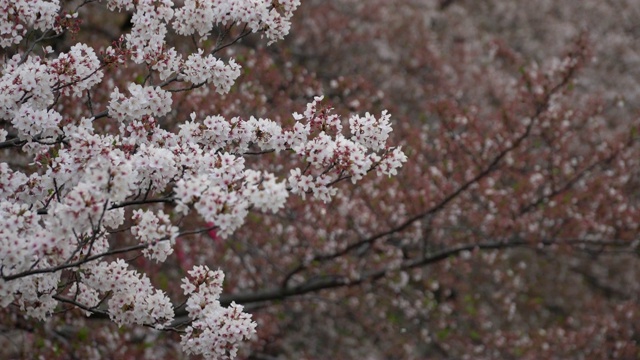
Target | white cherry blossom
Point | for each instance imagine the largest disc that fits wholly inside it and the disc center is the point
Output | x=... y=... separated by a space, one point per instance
x=82 y=174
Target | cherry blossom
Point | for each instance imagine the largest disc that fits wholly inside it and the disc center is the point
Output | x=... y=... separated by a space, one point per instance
x=104 y=168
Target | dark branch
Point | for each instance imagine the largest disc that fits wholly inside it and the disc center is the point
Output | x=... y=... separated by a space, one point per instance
x=335 y=281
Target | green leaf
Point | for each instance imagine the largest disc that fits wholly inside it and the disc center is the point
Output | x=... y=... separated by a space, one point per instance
x=83 y=334
x=443 y=334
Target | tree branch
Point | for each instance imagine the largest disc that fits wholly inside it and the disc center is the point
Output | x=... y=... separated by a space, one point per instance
x=335 y=281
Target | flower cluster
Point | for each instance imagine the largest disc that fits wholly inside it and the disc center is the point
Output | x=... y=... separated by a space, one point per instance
x=348 y=158
x=156 y=166
x=31 y=123
x=10 y=181
x=16 y=17
x=147 y=36
x=390 y=162
x=263 y=191
x=144 y=100
x=216 y=331
x=213 y=193
x=200 y=16
x=133 y=299
x=200 y=69
x=25 y=83
x=76 y=71
x=19 y=236
x=88 y=297
x=156 y=230
x=369 y=131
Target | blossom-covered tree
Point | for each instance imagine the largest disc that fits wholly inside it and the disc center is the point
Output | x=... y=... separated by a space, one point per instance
x=100 y=167
x=512 y=231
